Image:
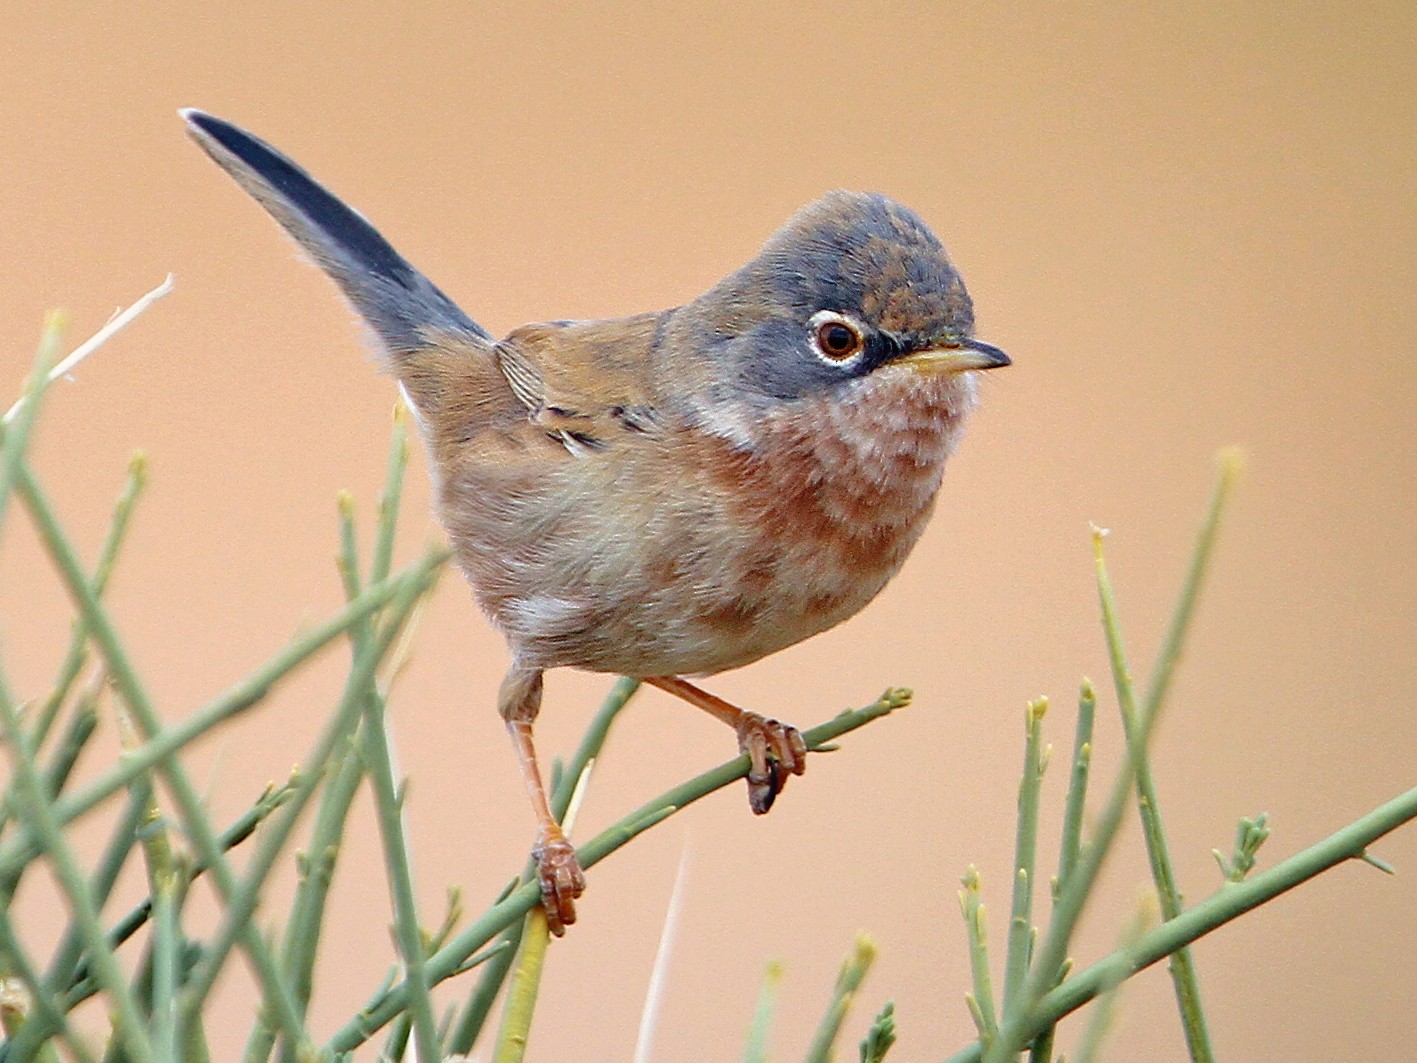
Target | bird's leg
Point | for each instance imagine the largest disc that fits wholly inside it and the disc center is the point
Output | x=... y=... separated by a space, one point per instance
x=775 y=750
x=557 y=868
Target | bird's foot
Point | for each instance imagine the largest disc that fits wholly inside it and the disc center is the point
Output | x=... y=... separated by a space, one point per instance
x=561 y=877
x=775 y=751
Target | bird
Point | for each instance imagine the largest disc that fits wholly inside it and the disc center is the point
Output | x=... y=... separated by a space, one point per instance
x=674 y=493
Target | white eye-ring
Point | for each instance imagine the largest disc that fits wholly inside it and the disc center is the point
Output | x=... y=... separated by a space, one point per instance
x=837 y=339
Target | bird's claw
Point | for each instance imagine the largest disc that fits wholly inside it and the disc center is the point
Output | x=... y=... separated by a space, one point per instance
x=775 y=751
x=561 y=878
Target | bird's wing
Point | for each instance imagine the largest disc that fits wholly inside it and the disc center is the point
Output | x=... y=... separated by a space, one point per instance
x=589 y=384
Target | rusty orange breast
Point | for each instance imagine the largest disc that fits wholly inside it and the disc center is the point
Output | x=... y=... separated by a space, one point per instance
x=828 y=501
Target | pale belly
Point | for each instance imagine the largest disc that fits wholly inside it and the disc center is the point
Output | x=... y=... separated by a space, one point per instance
x=731 y=557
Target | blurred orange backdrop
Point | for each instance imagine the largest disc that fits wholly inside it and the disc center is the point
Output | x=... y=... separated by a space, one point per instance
x=1191 y=225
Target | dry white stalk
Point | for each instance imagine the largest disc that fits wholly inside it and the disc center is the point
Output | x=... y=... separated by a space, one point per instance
x=119 y=321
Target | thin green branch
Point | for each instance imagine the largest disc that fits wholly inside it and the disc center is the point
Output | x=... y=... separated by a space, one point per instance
x=387 y=1003
x=345 y=766
x=14 y=435
x=1025 y=856
x=166 y=957
x=396 y=1044
x=388 y=803
x=1158 y=850
x=167 y=884
x=55 y=776
x=1225 y=905
x=162 y=743
x=241 y=829
x=63 y=968
x=82 y=725
x=981 y=1001
x=41 y=1019
x=194 y=819
x=1040 y=1049
x=520 y=1005
x=1249 y=836
x=39 y=815
x=1070 y=846
x=390 y=499
x=1076 y=808
x=756 y=1048
x=118 y=524
x=388 y=799
x=1073 y=897
x=880 y=1036
x=1230 y=463
x=1104 y=1011
x=479 y=1003
x=242 y=899
x=302 y=932
x=345 y=770
x=848 y=981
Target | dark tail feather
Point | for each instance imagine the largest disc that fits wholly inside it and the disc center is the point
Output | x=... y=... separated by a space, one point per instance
x=399 y=303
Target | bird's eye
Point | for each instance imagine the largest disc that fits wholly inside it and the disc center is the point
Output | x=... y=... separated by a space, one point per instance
x=836 y=339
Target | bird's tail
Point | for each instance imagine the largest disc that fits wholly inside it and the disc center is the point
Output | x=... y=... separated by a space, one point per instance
x=402 y=306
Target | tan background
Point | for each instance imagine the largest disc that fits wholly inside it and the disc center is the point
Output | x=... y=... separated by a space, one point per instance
x=1191 y=225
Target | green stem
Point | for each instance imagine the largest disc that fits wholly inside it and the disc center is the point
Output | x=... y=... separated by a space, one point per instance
x=189 y=803
x=393 y=493
x=1228 y=903
x=881 y=1036
x=389 y=806
x=78 y=984
x=63 y=967
x=848 y=981
x=1076 y=807
x=242 y=900
x=166 y=952
x=118 y=524
x=396 y=1045
x=302 y=933
x=1041 y=1050
x=56 y=775
x=388 y=800
x=1230 y=464
x=346 y=769
x=1025 y=856
x=14 y=437
x=1073 y=896
x=39 y=815
x=167 y=882
x=162 y=743
x=387 y=1003
x=520 y=1005
x=756 y=1048
x=1099 y=1021
x=981 y=1001
x=346 y=766
x=71 y=743
x=32 y=1039
x=1158 y=850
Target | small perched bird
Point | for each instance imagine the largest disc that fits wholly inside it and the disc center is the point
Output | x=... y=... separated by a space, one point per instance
x=679 y=492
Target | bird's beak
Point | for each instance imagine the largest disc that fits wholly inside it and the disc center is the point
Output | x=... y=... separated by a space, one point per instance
x=956 y=356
